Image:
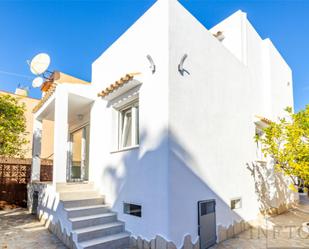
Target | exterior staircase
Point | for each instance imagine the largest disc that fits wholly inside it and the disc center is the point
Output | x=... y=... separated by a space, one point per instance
x=93 y=223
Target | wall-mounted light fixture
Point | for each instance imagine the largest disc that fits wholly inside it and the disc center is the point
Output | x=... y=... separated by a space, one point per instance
x=219 y=35
x=152 y=65
x=180 y=66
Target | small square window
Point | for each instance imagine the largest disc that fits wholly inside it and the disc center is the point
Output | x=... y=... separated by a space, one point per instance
x=128 y=125
x=236 y=203
x=132 y=209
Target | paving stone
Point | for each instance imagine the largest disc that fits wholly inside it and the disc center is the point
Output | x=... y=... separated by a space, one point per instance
x=153 y=244
x=187 y=244
x=139 y=243
x=288 y=237
x=160 y=243
x=19 y=229
x=171 y=245
x=146 y=244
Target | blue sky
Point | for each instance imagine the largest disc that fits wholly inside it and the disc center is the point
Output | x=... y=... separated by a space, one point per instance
x=75 y=33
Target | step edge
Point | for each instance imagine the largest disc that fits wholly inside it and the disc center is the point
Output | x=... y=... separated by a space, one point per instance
x=105 y=239
x=80 y=198
x=98 y=227
x=90 y=217
x=86 y=207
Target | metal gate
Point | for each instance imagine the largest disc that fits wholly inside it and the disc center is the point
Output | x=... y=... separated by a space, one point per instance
x=207 y=223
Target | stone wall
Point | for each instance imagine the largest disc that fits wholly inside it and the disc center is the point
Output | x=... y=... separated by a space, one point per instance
x=231 y=231
x=33 y=187
x=62 y=234
x=284 y=207
x=160 y=243
x=53 y=225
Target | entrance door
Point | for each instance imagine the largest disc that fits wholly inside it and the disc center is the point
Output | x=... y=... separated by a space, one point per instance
x=79 y=154
x=207 y=223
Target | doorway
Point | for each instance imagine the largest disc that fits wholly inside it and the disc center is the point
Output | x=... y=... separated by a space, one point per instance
x=207 y=223
x=79 y=155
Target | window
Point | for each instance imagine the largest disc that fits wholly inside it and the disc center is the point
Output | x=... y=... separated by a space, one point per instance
x=128 y=125
x=236 y=203
x=132 y=209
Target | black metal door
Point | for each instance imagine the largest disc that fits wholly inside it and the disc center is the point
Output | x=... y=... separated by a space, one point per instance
x=207 y=223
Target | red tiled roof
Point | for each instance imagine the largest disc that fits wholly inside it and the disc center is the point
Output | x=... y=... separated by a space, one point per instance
x=117 y=84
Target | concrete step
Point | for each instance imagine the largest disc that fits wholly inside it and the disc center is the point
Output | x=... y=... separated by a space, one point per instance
x=74 y=186
x=83 y=202
x=87 y=210
x=77 y=195
x=93 y=220
x=94 y=232
x=115 y=241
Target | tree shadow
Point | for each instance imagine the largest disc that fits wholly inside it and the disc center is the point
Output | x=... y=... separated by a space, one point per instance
x=271 y=187
x=165 y=178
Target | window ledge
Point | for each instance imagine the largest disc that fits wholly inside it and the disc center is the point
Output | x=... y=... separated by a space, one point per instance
x=125 y=149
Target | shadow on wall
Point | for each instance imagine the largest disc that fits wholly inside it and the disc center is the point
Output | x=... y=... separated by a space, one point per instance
x=272 y=188
x=181 y=184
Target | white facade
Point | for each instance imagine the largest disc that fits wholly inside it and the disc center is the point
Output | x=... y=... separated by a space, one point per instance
x=195 y=130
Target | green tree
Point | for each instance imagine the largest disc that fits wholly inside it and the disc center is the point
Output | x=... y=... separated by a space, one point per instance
x=12 y=127
x=287 y=143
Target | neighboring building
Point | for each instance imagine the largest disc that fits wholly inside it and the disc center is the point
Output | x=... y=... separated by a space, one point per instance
x=47 y=137
x=170 y=144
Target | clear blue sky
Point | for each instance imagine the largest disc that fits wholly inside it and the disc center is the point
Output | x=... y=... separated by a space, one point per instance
x=75 y=33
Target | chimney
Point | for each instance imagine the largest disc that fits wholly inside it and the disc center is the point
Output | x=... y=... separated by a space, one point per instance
x=21 y=92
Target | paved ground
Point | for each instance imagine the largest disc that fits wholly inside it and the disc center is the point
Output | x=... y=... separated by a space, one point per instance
x=20 y=230
x=281 y=232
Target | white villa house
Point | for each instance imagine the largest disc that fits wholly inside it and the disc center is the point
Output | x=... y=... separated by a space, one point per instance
x=158 y=151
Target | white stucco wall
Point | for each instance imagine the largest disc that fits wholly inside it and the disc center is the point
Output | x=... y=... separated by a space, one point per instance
x=210 y=118
x=235 y=33
x=269 y=72
x=281 y=82
x=196 y=131
x=140 y=175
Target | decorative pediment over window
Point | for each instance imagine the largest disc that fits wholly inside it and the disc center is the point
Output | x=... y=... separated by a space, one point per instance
x=119 y=87
x=262 y=121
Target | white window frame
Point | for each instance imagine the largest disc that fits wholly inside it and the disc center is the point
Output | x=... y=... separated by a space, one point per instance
x=134 y=108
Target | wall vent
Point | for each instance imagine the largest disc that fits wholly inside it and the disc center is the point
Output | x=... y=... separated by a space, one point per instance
x=132 y=209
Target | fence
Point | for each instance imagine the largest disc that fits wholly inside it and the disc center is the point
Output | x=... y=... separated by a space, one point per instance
x=15 y=174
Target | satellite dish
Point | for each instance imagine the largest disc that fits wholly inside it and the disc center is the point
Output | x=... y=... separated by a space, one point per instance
x=39 y=63
x=37 y=82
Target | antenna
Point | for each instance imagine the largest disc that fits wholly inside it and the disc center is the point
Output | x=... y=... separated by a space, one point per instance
x=37 y=82
x=38 y=66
